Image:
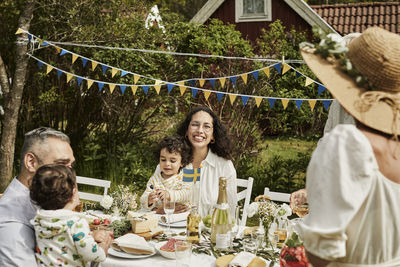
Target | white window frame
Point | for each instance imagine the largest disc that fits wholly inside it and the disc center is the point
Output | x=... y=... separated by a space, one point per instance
x=240 y=17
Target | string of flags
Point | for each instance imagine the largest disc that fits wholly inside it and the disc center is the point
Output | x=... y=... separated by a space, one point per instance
x=280 y=67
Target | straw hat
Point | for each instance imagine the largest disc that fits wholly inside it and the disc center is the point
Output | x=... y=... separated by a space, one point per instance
x=376 y=55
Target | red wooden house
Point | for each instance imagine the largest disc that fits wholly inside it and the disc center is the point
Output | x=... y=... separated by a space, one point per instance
x=250 y=16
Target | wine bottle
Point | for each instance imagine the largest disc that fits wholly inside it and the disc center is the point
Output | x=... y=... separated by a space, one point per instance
x=221 y=219
x=192 y=227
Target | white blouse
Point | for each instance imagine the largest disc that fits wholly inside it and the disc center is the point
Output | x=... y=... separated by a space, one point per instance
x=354 y=215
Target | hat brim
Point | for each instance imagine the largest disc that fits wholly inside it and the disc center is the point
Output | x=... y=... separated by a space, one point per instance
x=347 y=93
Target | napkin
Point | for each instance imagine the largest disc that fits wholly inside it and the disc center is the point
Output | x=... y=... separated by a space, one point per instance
x=175 y=217
x=242 y=259
x=131 y=243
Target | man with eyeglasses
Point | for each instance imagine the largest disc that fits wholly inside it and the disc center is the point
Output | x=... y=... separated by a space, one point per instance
x=17 y=237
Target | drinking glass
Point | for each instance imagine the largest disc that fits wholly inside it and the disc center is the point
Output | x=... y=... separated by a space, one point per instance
x=235 y=225
x=183 y=252
x=249 y=245
x=169 y=208
x=280 y=234
x=259 y=235
x=301 y=209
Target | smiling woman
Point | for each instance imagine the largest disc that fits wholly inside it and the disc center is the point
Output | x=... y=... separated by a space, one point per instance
x=211 y=156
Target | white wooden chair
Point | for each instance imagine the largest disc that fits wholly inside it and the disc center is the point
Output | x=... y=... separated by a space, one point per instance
x=246 y=195
x=93 y=182
x=277 y=196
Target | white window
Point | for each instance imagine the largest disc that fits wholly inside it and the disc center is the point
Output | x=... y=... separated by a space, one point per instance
x=252 y=10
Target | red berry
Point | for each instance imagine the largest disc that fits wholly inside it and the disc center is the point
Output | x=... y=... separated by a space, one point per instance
x=106 y=222
x=96 y=221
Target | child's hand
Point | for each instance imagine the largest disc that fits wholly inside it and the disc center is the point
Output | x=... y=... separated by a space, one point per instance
x=153 y=197
x=164 y=195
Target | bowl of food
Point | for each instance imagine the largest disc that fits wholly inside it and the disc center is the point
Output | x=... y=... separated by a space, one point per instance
x=167 y=248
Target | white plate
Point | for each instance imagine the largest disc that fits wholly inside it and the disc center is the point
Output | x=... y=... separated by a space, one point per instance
x=181 y=224
x=166 y=254
x=122 y=254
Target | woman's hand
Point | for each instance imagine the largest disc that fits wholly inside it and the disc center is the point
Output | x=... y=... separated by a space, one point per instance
x=298 y=197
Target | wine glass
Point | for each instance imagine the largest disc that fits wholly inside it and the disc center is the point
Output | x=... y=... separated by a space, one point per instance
x=169 y=208
x=301 y=209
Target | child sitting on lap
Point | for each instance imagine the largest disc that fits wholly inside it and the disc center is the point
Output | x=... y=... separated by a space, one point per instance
x=62 y=235
x=173 y=153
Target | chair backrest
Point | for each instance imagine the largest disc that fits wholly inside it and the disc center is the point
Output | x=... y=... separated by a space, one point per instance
x=246 y=195
x=93 y=182
x=277 y=196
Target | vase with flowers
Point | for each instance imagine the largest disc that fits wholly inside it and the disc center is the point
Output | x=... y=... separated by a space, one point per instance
x=271 y=214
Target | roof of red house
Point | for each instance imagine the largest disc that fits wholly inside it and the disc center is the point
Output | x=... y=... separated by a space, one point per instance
x=356 y=17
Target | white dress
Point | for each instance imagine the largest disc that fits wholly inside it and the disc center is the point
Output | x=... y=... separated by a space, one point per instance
x=354 y=215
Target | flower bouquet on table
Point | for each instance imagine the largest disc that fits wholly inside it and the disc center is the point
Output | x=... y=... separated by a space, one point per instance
x=120 y=201
x=272 y=215
x=293 y=253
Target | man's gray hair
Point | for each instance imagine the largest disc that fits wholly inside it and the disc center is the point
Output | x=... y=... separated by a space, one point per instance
x=39 y=136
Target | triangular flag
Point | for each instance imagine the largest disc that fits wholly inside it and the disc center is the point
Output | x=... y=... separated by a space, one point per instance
x=286 y=67
x=308 y=81
x=298 y=74
x=266 y=71
x=49 y=68
x=222 y=81
x=113 y=72
x=271 y=101
x=69 y=77
x=94 y=65
x=169 y=87
x=258 y=101
x=232 y=98
x=134 y=89
x=194 y=92
x=136 y=78
x=84 y=61
x=45 y=43
x=19 y=31
x=233 y=80
x=112 y=87
x=100 y=85
x=326 y=104
x=206 y=94
x=182 y=88
x=158 y=88
x=277 y=66
x=312 y=104
x=244 y=78
x=59 y=72
x=58 y=49
x=74 y=58
x=321 y=88
x=192 y=82
x=219 y=96
x=89 y=83
x=244 y=99
x=29 y=37
x=145 y=89
x=123 y=87
x=40 y=63
x=104 y=68
x=285 y=103
x=298 y=103
x=79 y=79
x=255 y=75
x=123 y=73
x=212 y=82
x=201 y=82
x=63 y=52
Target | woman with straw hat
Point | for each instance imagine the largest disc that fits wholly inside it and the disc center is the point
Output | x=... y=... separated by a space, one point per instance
x=353 y=179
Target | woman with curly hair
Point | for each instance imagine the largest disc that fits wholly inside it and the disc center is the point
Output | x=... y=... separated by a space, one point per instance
x=211 y=156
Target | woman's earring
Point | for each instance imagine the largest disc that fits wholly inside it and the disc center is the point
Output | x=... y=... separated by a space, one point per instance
x=212 y=141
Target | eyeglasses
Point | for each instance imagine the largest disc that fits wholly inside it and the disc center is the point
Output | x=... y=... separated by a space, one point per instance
x=196 y=126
